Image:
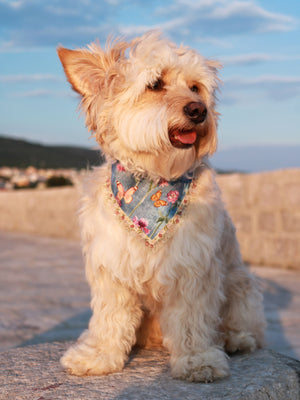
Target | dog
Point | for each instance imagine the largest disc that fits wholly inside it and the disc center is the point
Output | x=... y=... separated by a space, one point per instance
x=162 y=258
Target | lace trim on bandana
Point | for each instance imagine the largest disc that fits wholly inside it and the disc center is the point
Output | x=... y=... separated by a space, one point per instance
x=152 y=210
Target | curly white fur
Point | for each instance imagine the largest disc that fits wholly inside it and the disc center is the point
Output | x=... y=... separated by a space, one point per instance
x=191 y=291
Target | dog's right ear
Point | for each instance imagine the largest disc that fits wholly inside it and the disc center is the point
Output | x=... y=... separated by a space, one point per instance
x=84 y=69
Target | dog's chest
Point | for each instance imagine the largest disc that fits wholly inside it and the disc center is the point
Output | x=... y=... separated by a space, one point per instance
x=151 y=209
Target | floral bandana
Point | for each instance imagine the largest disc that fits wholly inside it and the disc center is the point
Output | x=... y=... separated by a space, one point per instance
x=149 y=208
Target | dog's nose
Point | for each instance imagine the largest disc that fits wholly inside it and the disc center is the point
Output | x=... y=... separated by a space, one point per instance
x=196 y=111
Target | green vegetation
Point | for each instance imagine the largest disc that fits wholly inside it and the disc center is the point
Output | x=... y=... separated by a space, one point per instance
x=55 y=181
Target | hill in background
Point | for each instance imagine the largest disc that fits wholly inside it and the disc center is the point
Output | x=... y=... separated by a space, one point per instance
x=21 y=154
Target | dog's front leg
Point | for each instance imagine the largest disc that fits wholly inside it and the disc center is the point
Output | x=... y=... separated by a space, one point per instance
x=103 y=348
x=189 y=322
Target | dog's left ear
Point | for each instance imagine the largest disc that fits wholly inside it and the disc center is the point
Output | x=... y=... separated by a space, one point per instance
x=86 y=68
x=214 y=66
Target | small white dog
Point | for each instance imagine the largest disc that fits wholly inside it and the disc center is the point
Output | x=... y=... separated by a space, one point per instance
x=162 y=258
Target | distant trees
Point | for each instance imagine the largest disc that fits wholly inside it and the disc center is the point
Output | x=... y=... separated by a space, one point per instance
x=55 y=181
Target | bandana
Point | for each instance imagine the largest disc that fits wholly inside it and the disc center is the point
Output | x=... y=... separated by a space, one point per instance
x=148 y=207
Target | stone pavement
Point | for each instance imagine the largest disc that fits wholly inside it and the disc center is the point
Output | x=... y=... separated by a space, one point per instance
x=44 y=298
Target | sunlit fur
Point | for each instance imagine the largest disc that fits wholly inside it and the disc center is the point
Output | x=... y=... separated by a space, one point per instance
x=192 y=292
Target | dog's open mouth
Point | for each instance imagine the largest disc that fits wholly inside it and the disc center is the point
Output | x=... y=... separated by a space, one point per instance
x=183 y=139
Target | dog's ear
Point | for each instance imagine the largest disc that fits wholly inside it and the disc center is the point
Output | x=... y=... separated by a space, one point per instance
x=82 y=69
x=86 y=68
x=214 y=65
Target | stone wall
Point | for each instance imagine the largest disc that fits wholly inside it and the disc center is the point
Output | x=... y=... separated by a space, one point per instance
x=265 y=208
x=48 y=212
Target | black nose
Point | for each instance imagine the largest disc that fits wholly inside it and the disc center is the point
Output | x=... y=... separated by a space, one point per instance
x=196 y=111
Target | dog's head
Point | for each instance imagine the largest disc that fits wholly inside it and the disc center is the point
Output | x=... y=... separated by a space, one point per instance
x=149 y=103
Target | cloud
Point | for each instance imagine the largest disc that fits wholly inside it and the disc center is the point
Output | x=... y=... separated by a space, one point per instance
x=39 y=23
x=256 y=58
x=29 y=78
x=238 y=82
x=43 y=93
x=225 y=17
x=34 y=23
x=236 y=89
x=31 y=82
x=275 y=88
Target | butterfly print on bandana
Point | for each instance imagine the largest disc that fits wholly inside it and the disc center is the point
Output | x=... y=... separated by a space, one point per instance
x=156 y=197
x=126 y=195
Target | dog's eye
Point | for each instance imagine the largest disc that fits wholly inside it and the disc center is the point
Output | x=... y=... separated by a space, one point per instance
x=157 y=85
x=194 y=89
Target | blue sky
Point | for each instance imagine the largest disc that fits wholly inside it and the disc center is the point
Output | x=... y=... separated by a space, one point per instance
x=258 y=43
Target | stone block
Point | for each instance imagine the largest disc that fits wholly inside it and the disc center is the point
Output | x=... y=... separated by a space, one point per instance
x=290 y=222
x=252 y=248
x=269 y=196
x=243 y=222
x=267 y=222
x=291 y=195
x=34 y=372
x=233 y=190
x=282 y=251
x=252 y=189
x=51 y=212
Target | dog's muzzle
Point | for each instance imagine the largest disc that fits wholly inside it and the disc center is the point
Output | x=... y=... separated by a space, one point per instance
x=184 y=139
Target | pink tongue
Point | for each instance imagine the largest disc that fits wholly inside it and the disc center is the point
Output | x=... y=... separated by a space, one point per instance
x=187 y=138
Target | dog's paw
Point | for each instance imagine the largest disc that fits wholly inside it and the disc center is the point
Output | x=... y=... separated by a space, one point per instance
x=87 y=361
x=240 y=341
x=203 y=367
